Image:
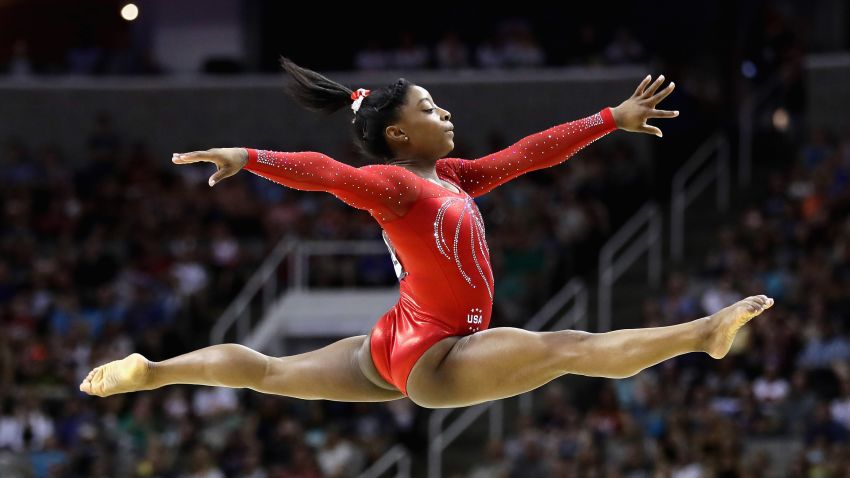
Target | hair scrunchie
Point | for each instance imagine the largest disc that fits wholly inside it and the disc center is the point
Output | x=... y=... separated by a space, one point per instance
x=358 y=96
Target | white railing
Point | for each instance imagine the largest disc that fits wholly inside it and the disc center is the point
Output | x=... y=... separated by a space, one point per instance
x=265 y=280
x=262 y=287
x=397 y=456
x=305 y=249
x=648 y=220
x=439 y=438
x=574 y=317
x=687 y=186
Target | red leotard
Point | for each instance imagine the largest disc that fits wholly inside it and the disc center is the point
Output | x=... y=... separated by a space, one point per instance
x=435 y=235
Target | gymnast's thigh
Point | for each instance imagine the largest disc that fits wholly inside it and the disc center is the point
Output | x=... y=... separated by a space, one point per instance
x=329 y=373
x=367 y=365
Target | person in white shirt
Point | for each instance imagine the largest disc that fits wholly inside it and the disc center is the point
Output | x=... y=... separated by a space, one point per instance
x=770 y=387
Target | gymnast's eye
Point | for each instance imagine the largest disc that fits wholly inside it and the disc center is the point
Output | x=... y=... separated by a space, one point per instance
x=429 y=110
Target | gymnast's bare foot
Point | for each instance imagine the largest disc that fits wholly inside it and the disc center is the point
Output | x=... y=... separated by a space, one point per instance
x=129 y=374
x=724 y=324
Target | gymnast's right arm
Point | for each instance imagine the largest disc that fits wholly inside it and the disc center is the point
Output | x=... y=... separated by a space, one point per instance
x=385 y=191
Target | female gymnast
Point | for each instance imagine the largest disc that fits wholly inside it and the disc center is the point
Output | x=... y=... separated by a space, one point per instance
x=434 y=345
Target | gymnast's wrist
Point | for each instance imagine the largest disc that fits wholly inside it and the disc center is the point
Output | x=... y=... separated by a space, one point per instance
x=616 y=117
x=247 y=156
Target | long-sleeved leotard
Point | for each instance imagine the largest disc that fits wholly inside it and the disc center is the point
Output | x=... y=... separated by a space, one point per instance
x=435 y=236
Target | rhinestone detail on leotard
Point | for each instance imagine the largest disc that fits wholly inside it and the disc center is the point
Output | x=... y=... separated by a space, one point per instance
x=476 y=229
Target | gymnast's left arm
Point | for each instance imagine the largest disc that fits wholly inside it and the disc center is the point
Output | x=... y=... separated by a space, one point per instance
x=558 y=143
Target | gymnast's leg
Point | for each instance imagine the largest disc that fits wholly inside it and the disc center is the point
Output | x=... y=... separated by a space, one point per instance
x=329 y=373
x=503 y=362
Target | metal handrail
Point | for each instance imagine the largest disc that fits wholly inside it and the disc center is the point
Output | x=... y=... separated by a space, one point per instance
x=610 y=270
x=305 y=249
x=263 y=279
x=439 y=439
x=577 y=315
x=397 y=455
x=687 y=186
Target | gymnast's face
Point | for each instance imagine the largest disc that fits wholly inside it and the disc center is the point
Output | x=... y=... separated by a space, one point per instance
x=423 y=129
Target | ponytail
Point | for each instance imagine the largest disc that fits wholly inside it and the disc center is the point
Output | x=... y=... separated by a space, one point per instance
x=377 y=111
x=314 y=91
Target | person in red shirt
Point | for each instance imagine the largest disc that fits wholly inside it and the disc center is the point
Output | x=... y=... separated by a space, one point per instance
x=435 y=345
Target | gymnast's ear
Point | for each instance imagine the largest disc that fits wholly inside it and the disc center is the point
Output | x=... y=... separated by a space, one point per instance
x=395 y=134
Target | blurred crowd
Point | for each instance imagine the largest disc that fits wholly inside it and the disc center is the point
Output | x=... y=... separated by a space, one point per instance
x=744 y=39
x=512 y=45
x=778 y=405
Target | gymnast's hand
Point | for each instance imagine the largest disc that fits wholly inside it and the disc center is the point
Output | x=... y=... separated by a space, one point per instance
x=228 y=161
x=632 y=114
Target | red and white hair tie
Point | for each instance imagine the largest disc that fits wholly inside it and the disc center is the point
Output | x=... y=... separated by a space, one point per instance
x=358 y=96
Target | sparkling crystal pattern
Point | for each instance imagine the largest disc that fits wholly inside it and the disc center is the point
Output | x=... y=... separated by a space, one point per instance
x=476 y=239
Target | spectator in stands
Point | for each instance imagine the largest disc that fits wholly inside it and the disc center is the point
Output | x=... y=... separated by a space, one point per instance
x=451 y=52
x=521 y=49
x=490 y=53
x=20 y=65
x=372 y=57
x=624 y=49
x=410 y=54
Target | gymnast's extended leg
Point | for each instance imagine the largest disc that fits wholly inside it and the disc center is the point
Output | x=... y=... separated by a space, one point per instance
x=503 y=362
x=329 y=373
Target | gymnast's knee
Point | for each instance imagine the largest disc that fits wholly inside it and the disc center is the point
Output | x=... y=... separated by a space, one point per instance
x=438 y=401
x=439 y=391
x=429 y=391
x=569 y=347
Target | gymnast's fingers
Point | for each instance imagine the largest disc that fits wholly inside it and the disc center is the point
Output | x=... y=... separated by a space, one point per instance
x=663 y=114
x=654 y=86
x=642 y=85
x=193 y=157
x=662 y=94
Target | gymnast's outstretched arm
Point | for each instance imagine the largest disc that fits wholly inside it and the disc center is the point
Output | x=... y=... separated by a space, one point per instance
x=385 y=191
x=558 y=143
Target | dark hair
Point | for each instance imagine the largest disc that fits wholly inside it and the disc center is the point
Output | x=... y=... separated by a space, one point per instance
x=381 y=108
